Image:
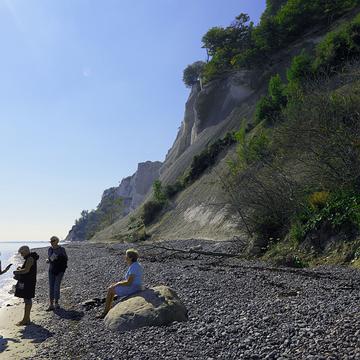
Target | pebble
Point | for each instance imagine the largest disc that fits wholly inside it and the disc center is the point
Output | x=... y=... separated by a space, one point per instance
x=235 y=311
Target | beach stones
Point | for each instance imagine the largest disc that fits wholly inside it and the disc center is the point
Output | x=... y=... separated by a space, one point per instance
x=156 y=306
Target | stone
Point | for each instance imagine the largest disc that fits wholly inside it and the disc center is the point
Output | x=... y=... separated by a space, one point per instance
x=156 y=306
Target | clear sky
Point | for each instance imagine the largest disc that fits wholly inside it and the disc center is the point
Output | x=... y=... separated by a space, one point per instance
x=89 y=88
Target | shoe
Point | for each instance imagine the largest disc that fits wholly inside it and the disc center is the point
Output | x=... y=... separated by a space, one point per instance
x=57 y=306
x=50 y=308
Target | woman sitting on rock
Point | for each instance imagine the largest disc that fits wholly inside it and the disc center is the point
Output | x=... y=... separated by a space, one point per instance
x=131 y=284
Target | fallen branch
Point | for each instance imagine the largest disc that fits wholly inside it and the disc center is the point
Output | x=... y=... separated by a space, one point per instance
x=190 y=251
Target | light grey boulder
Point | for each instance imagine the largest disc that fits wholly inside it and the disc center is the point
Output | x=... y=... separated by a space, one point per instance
x=156 y=306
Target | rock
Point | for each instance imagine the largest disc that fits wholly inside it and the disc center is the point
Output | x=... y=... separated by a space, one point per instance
x=156 y=306
x=196 y=248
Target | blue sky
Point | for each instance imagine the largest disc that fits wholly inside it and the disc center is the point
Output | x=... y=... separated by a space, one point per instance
x=88 y=89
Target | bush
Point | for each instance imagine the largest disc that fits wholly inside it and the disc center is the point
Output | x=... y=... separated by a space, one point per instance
x=265 y=110
x=250 y=149
x=159 y=195
x=269 y=108
x=338 y=47
x=207 y=157
x=317 y=200
x=300 y=70
x=151 y=210
x=173 y=189
x=342 y=209
x=192 y=73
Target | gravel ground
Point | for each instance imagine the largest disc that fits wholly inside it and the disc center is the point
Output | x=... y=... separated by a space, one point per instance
x=237 y=309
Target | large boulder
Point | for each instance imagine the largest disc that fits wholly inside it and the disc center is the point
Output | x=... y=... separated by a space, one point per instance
x=156 y=306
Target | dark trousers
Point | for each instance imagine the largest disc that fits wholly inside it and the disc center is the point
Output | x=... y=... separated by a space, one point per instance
x=54 y=285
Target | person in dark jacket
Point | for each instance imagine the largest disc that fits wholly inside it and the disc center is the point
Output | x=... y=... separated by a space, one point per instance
x=57 y=258
x=26 y=277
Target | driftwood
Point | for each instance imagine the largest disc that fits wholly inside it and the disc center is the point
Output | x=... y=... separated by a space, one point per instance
x=190 y=251
x=195 y=250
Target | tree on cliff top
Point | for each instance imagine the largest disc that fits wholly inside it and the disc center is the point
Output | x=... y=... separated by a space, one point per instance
x=192 y=73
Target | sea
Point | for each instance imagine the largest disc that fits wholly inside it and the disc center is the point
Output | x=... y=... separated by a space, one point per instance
x=9 y=255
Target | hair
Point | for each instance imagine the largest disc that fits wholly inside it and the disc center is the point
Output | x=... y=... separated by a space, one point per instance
x=132 y=254
x=24 y=248
x=54 y=238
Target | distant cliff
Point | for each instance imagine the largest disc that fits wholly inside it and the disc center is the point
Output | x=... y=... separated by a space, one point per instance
x=116 y=202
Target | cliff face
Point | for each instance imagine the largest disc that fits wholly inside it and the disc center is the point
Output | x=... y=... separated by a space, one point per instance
x=117 y=202
x=210 y=113
x=199 y=211
x=208 y=117
x=135 y=187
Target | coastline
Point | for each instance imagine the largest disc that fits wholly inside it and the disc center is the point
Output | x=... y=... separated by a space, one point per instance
x=237 y=309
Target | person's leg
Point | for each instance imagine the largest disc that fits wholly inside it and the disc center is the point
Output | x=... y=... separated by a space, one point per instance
x=109 y=299
x=57 y=284
x=26 y=319
x=51 y=290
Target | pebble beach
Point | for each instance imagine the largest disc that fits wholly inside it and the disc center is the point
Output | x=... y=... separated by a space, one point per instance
x=237 y=309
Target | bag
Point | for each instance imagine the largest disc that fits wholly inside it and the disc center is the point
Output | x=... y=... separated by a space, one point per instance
x=20 y=285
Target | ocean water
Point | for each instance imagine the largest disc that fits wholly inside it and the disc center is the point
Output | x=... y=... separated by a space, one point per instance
x=8 y=255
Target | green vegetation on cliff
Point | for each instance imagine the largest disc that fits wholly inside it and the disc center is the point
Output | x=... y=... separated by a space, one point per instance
x=243 y=45
x=302 y=195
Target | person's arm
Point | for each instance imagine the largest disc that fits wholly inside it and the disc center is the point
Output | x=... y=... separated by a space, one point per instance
x=64 y=254
x=126 y=282
x=29 y=263
x=5 y=270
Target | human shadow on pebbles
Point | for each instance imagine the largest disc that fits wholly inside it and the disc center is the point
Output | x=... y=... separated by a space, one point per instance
x=4 y=343
x=69 y=314
x=35 y=333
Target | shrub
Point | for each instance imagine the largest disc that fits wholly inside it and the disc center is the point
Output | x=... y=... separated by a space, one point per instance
x=172 y=189
x=341 y=211
x=159 y=195
x=250 y=149
x=317 y=200
x=192 y=73
x=269 y=108
x=300 y=69
x=265 y=110
x=207 y=157
x=339 y=46
x=151 y=210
